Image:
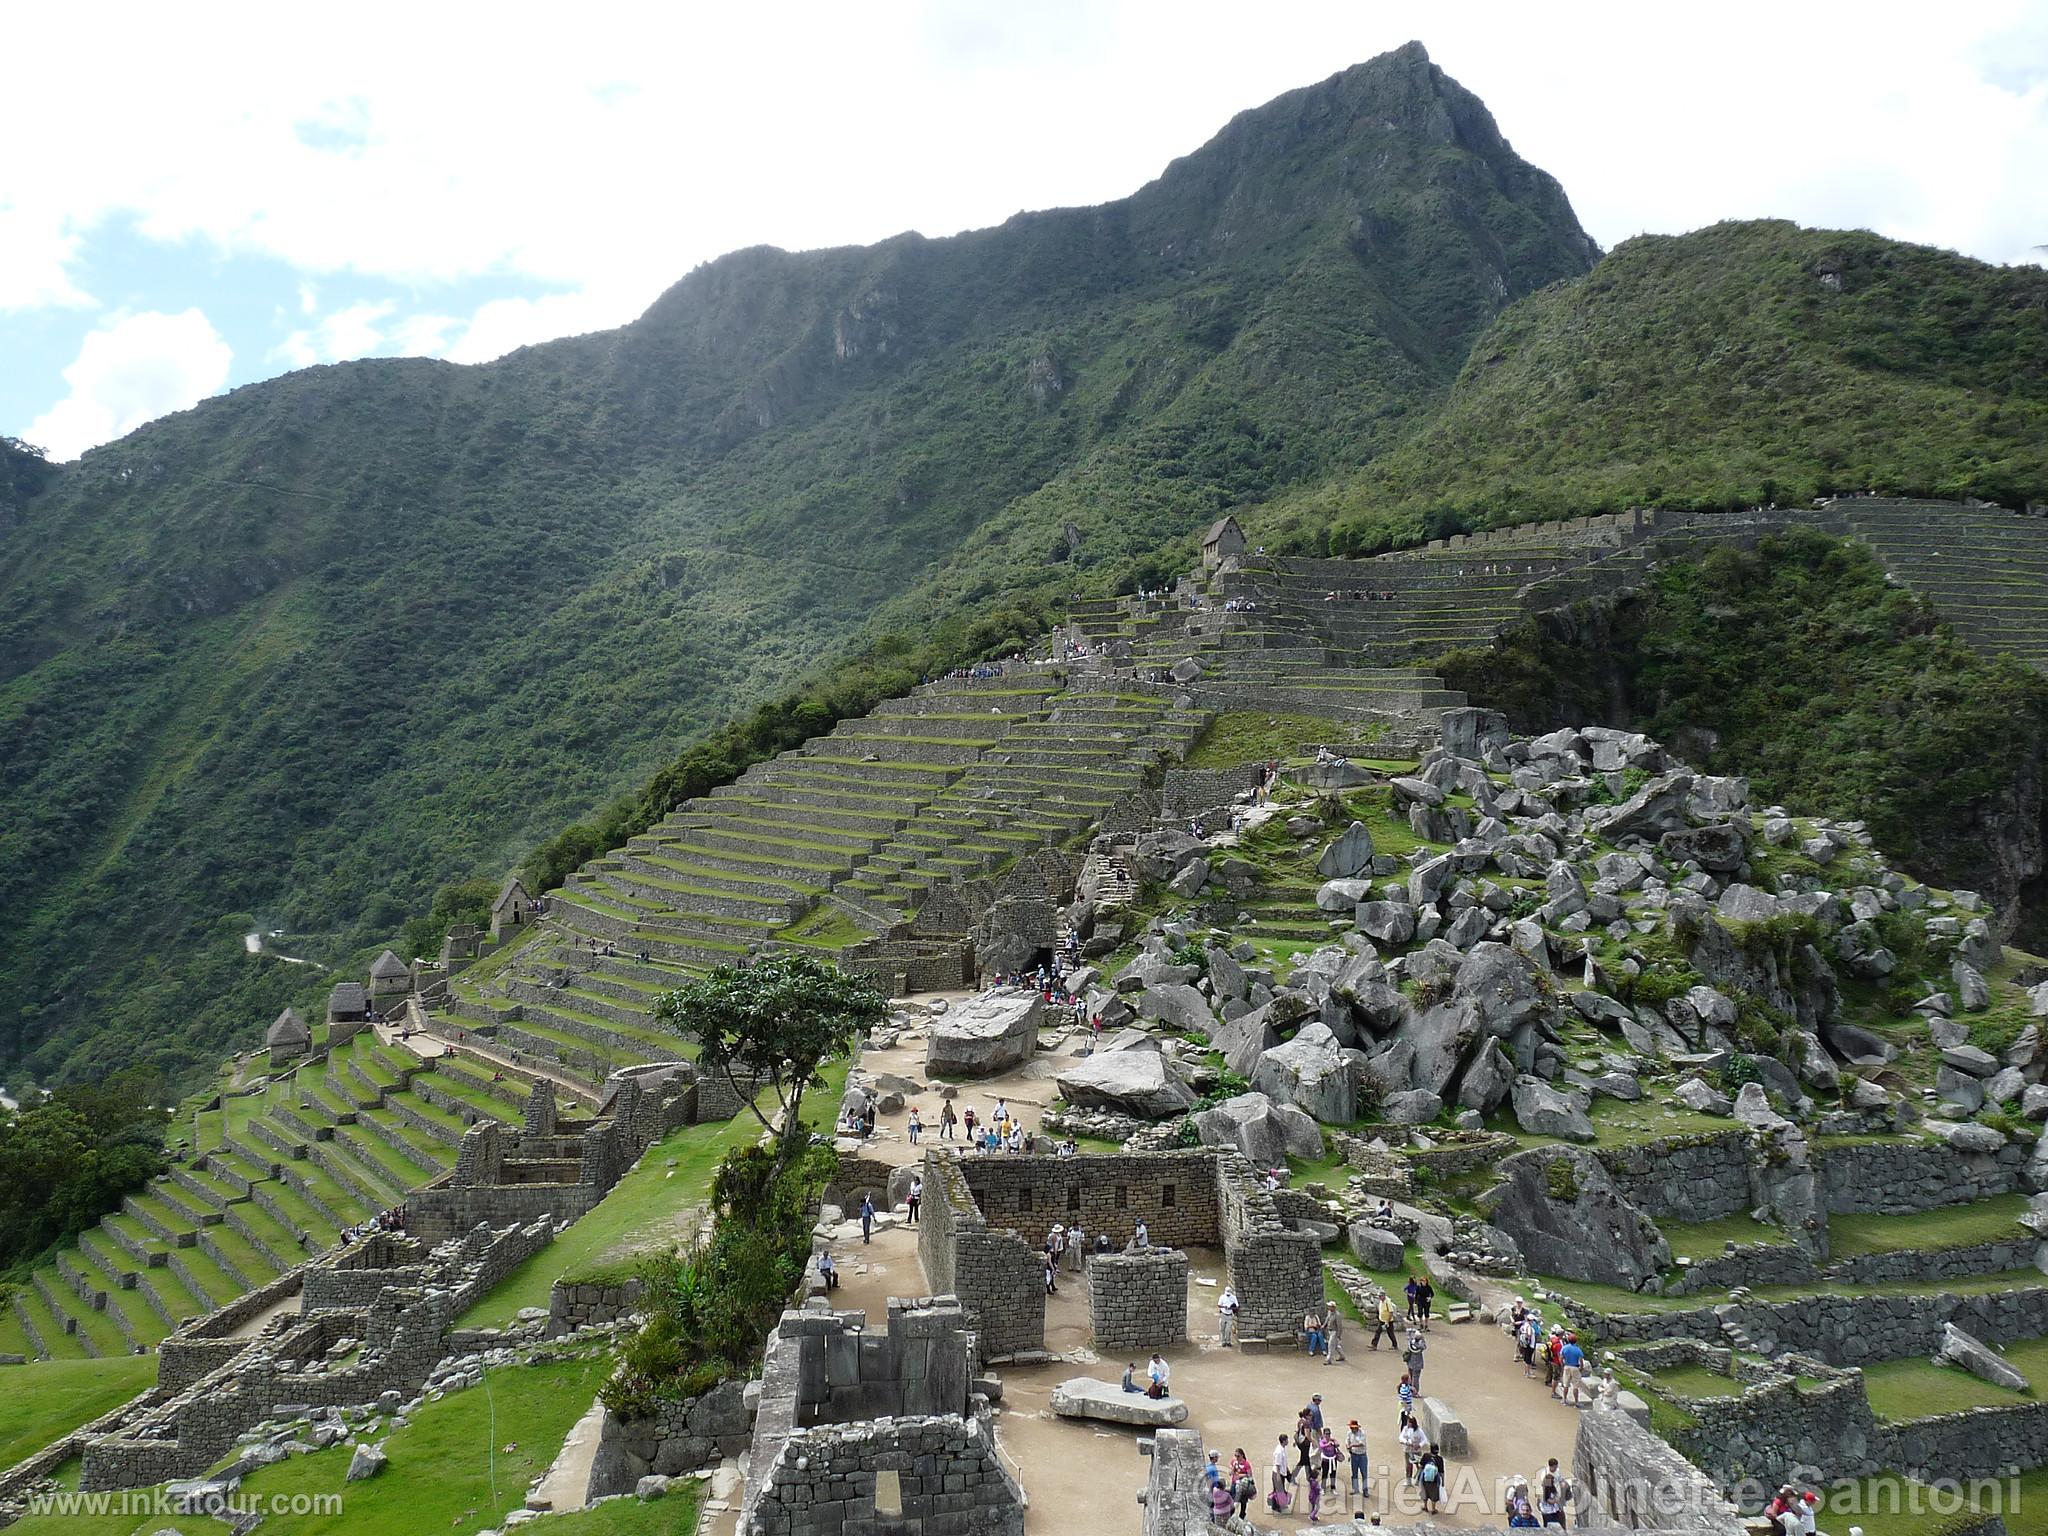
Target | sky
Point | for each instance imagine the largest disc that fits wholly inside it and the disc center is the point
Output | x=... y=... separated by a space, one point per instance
x=196 y=197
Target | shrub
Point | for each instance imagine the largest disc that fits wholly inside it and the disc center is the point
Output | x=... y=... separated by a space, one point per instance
x=1561 y=1180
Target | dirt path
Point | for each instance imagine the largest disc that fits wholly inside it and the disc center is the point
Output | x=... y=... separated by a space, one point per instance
x=256 y=1324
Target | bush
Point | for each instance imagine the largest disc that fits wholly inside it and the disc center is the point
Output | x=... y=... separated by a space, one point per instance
x=1561 y=1181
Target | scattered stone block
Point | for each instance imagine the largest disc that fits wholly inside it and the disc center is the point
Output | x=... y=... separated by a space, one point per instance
x=1083 y=1397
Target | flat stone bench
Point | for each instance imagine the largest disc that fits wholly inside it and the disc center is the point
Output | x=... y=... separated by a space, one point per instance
x=1446 y=1431
x=1083 y=1397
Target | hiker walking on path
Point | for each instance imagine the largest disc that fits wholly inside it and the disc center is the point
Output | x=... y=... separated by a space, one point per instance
x=867 y=1218
x=1333 y=1336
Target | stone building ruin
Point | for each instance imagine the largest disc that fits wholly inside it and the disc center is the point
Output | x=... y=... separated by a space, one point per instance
x=986 y=1217
x=859 y=1432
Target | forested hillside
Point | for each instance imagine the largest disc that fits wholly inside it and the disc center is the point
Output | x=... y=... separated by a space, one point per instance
x=298 y=656
x=1745 y=363
x=301 y=656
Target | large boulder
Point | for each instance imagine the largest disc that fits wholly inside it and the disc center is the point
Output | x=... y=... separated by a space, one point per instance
x=1140 y=1083
x=1342 y=895
x=1351 y=854
x=1721 y=848
x=1375 y=1247
x=1179 y=1005
x=1564 y=1211
x=1310 y=1072
x=1390 y=922
x=1542 y=1111
x=1660 y=806
x=1083 y=1397
x=1501 y=985
x=1266 y=1132
x=986 y=1035
x=1958 y=1348
x=1487 y=1080
x=1159 y=856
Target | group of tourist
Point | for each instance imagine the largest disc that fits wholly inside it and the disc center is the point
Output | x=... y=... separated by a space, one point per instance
x=1556 y=1352
x=1353 y=595
x=1240 y=605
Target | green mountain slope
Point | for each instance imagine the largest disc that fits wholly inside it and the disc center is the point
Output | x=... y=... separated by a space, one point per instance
x=1742 y=363
x=297 y=656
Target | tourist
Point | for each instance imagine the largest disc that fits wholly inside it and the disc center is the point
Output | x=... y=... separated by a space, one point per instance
x=916 y=1196
x=1142 y=1237
x=1521 y=1513
x=1280 y=1497
x=1414 y=1292
x=1412 y=1446
x=828 y=1271
x=1809 y=1504
x=867 y=1218
x=1431 y=1473
x=1315 y=1495
x=1130 y=1382
x=1354 y=1449
x=916 y=1125
x=1304 y=1441
x=1573 y=1360
x=1425 y=1299
x=947 y=1121
x=1051 y=1285
x=1212 y=1474
x=1333 y=1335
x=1220 y=1500
x=1077 y=1245
x=1525 y=1344
x=1241 y=1481
x=1315 y=1413
x=1158 y=1373
x=1328 y=1453
x=1383 y=1323
x=1516 y=1315
x=1413 y=1359
x=1550 y=1504
x=1226 y=1316
x=1406 y=1392
x=1553 y=1345
x=967 y=1120
x=1312 y=1332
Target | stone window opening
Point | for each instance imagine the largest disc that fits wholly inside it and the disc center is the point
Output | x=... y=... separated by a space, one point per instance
x=1073 y=1197
x=1024 y=1198
x=1165 y=1195
x=1123 y=1196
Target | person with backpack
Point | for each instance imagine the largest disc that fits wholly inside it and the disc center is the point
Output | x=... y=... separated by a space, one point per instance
x=1572 y=1360
x=1412 y=1446
x=1431 y=1476
x=1525 y=1345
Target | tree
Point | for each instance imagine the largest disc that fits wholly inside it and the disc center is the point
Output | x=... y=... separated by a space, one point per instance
x=778 y=1021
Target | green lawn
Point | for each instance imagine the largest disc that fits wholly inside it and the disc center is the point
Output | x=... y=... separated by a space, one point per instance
x=677 y=1513
x=1898 y=1506
x=643 y=1211
x=48 y=1398
x=1704 y=1239
x=1952 y=1226
x=1240 y=736
x=1695 y=1381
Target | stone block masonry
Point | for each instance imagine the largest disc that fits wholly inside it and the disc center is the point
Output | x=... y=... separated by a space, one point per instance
x=986 y=1217
x=1138 y=1300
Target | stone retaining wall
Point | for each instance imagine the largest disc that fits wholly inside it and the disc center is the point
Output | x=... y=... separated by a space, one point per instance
x=677 y=1437
x=1138 y=1300
x=576 y=1304
x=1694 y=1178
x=1897 y=1178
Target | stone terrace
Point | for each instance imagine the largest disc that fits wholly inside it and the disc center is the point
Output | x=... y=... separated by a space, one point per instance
x=275 y=1175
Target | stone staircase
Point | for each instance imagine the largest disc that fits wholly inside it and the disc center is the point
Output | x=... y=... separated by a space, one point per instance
x=276 y=1174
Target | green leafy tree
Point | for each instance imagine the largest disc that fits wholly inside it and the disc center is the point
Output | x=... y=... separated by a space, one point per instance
x=778 y=1021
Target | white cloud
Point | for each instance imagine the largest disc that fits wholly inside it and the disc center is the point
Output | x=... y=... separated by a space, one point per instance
x=36 y=254
x=351 y=332
x=505 y=325
x=132 y=369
